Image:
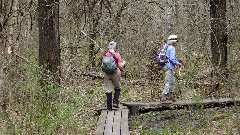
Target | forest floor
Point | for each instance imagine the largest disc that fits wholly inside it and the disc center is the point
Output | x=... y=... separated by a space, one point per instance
x=204 y=121
x=211 y=121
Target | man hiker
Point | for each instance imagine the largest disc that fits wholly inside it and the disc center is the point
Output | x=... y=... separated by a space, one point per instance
x=168 y=69
x=112 y=66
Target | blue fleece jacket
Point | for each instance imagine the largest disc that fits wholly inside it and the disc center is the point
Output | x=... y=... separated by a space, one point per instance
x=171 y=54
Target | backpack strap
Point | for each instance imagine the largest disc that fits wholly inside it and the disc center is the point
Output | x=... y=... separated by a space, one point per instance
x=166 y=46
x=113 y=54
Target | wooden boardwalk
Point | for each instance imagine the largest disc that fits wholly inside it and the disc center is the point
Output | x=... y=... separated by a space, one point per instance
x=113 y=122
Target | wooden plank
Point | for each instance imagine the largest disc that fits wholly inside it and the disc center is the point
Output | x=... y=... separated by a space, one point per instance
x=124 y=114
x=124 y=123
x=206 y=102
x=146 y=104
x=101 y=122
x=117 y=122
x=108 y=128
x=110 y=122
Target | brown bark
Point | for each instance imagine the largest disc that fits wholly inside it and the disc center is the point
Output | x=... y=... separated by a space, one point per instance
x=218 y=33
x=49 y=40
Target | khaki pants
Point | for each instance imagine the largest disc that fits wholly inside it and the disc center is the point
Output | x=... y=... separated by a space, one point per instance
x=169 y=81
x=112 y=81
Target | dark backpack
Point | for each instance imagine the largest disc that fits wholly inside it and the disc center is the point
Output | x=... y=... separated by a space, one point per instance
x=109 y=65
x=161 y=57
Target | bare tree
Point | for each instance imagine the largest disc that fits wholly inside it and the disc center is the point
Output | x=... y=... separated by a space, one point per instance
x=94 y=14
x=49 y=40
x=218 y=33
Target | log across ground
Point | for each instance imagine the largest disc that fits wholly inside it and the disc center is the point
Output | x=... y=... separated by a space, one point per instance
x=136 y=107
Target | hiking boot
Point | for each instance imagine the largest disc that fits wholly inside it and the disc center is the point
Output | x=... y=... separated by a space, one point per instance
x=171 y=97
x=164 y=98
x=116 y=97
x=109 y=100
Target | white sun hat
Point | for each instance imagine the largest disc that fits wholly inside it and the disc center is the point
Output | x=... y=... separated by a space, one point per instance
x=112 y=45
x=172 y=39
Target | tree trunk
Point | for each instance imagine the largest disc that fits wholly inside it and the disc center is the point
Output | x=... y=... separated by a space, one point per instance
x=49 y=40
x=92 y=54
x=218 y=33
x=170 y=10
x=95 y=16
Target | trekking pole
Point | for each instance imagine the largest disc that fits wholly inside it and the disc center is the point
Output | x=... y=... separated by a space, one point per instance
x=179 y=78
x=92 y=40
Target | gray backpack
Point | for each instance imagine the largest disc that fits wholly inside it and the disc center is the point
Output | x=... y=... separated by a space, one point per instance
x=161 y=57
x=109 y=65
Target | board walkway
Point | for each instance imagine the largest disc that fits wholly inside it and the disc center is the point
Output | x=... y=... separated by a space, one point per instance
x=136 y=107
x=113 y=122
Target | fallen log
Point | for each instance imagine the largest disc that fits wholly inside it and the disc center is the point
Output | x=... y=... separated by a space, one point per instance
x=141 y=107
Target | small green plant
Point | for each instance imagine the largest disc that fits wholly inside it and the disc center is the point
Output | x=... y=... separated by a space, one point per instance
x=181 y=122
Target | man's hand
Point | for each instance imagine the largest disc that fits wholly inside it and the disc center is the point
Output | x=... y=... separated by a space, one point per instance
x=124 y=62
x=180 y=63
x=179 y=68
x=121 y=64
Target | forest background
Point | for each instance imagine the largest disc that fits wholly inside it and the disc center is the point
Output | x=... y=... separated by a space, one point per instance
x=208 y=44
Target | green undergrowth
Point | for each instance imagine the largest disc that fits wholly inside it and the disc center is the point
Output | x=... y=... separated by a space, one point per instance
x=212 y=121
x=48 y=110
